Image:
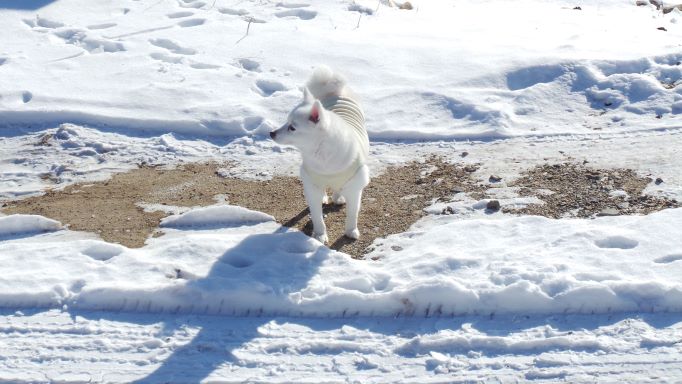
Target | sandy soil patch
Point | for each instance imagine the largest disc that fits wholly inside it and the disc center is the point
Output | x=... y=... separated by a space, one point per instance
x=392 y=202
x=571 y=190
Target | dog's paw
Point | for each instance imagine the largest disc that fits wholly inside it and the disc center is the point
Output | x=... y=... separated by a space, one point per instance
x=353 y=234
x=322 y=238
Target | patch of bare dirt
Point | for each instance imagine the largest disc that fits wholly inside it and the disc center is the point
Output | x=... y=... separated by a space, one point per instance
x=570 y=190
x=391 y=202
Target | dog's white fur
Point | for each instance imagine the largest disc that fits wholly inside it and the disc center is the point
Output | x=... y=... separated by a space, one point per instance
x=334 y=147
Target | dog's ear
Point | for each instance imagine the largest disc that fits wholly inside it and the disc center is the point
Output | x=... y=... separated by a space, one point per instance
x=315 y=112
x=307 y=96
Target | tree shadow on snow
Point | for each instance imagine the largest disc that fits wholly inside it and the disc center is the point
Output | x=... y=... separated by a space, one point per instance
x=240 y=321
x=253 y=257
x=27 y=5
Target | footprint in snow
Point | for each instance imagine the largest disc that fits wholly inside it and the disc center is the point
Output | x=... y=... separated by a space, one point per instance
x=618 y=242
x=267 y=88
x=233 y=12
x=40 y=22
x=302 y=14
x=172 y=46
x=191 y=4
x=669 y=259
x=178 y=15
x=166 y=58
x=191 y=23
x=249 y=65
x=170 y=59
x=101 y=26
x=80 y=38
x=293 y=5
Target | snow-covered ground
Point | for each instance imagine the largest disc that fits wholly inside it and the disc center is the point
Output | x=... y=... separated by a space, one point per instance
x=89 y=88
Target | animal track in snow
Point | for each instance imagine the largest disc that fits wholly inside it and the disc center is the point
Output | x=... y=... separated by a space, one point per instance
x=199 y=65
x=172 y=46
x=44 y=23
x=249 y=65
x=293 y=5
x=191 y=4
x=234 y=12
x=191 y=23
x=619 y=242
x=269 y=87
x=302 y=14
x=166 y=58
x=669 y=258
x=178 y=15
x=101 y=26
x=80 y=38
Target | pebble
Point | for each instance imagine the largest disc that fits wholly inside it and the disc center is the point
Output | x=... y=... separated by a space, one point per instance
x=494 y=179
x=659 y=181
x=493 y=205
x=609 y=212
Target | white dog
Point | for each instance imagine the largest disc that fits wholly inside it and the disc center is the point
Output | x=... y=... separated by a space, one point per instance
x=328 y=127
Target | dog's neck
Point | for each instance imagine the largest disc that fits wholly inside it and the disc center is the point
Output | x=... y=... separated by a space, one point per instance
x=332 y=151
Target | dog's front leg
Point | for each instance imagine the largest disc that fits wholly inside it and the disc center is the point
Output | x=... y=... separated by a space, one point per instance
x=314 y=196
x=352 y=191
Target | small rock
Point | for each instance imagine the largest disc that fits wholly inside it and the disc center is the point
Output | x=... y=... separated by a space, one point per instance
x=577 y=9
x=494 y=179
x=493 y=205
x=448 y=211
x=662 y=29
x=609 y=212
x=658 y=181
x=470 y=168
x=464 y=154
x=641 y=3
x=624 y=205
x=396 y=248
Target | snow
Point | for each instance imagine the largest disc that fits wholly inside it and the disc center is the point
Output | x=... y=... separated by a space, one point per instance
x=92 y=88
x=229 y=260
x=16 y=225
x=215 y=216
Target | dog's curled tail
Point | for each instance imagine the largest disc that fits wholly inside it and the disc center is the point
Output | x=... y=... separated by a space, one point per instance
x=324 y=83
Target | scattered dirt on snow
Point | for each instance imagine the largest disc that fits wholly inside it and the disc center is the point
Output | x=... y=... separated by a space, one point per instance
x=579 y=191
x=391 y=202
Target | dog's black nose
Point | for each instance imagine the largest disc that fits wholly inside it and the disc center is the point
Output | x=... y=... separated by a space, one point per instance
x=273 y=134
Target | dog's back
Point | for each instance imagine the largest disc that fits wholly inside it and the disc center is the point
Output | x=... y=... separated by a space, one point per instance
x=331 y=89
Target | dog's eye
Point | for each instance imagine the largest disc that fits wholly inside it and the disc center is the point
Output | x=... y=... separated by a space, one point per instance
x=291 y=128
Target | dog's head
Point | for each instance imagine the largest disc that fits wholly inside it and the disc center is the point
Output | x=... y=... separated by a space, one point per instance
x=305 y=122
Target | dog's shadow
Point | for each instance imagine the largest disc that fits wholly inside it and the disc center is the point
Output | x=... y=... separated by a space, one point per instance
x=307 y=228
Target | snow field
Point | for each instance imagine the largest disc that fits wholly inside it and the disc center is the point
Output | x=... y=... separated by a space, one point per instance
x=91 y=88
x=444 y=266
x=190 y=68
x=48 y=346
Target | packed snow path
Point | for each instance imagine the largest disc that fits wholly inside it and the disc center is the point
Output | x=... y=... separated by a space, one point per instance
x=78 y=347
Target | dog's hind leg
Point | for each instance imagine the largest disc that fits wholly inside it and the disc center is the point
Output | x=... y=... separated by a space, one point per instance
x=352 y=191
x=314 y=196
